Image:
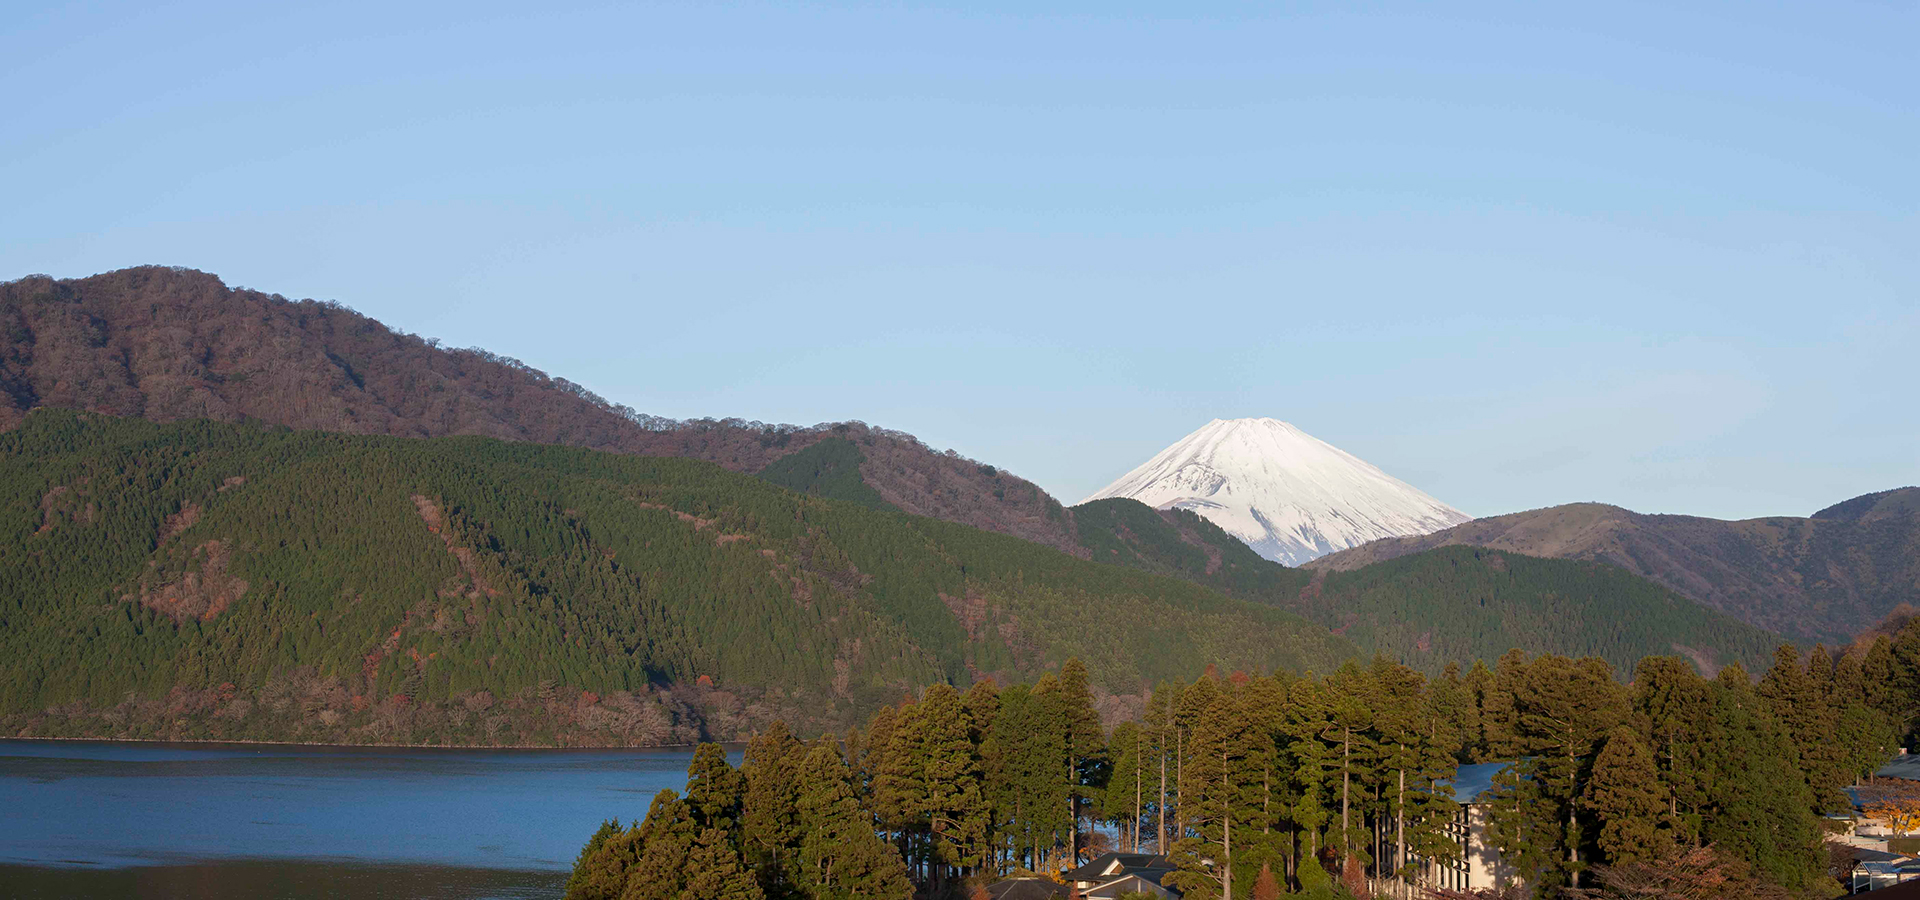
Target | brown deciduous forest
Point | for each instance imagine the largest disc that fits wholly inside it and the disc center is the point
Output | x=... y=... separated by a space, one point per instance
x=169 y=344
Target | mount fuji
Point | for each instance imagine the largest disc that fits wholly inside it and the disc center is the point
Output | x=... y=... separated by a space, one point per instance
x=1289 y=495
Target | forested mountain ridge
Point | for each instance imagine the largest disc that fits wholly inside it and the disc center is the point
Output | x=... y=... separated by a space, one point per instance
x=1440 y=605
x=168 y=344
x=206 y=580
x=1823 y=578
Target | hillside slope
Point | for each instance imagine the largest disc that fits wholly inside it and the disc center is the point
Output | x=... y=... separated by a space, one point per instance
x=200 y=579
x=169 y=344
x=1438 y=606
x=1823 y=578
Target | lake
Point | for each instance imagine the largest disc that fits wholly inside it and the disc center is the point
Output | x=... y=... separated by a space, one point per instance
x=87 y=819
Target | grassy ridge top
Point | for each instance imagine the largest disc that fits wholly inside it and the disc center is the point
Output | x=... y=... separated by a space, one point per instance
x=136 y=558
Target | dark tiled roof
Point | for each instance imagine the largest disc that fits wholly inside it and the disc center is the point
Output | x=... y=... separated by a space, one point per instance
x=1906 y=765
x=1128 y=861
x=1865 y=855
x=1154 y=874
x=1027 y=889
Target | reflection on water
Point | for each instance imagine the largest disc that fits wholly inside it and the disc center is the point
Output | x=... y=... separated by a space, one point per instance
x=139 y=820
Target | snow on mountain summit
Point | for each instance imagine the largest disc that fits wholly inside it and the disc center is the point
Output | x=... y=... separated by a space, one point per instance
x=1289 y=495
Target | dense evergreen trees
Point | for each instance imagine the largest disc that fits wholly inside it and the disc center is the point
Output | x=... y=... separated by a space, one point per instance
x=1431 y=608
x=201 y=580
x=1258 y=784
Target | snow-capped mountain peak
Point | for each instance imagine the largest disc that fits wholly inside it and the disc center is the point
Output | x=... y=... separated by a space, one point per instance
x=1289 y=495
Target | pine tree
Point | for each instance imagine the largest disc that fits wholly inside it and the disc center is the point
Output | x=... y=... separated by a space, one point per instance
x=714 y=872
x=1499 y=720
x=714 y=788
x=1562 y=709
x=1158 y=732
x=769 y=826
x=1631 y=803
x=1677 y=706
x=665 y=839
x=1308 y=716
x=607 y=829
x=840 y=856
x=601 y=872
x=1082 y=739
x=1315 y=883
x=1126 y=784
x=1480 y=683
x=982 y=703
x=1188 y=709
x=1760 y=807
x=1223 y=779
x=1349 y=735
x=1453 y=716
x=1802 y=706
x=1263 y=701
x=1029 y=797
x=934 y=772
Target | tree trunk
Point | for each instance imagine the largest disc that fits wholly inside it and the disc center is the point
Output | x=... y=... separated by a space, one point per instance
x=1226 y=828
x=1346 y=783
x=1160 y=836
x=1073 y=814
x=1180 y=783
x=1136 y=797
x=1573 y=825
x=1400 y=826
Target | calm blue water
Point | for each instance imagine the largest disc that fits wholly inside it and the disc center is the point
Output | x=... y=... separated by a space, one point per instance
x=68 y=809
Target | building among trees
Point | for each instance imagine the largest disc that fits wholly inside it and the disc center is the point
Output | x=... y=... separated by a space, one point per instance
x=1475 y=863
x=1112 y=875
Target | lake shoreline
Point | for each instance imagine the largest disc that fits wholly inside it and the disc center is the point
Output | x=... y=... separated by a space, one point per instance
x=263 y=743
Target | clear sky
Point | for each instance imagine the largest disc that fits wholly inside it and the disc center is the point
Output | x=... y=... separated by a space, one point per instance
x=1662 y=255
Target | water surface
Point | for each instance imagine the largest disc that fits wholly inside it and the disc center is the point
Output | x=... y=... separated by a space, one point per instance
x=138 y=820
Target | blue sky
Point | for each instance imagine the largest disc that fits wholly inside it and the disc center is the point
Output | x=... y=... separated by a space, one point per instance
x=1518 y=254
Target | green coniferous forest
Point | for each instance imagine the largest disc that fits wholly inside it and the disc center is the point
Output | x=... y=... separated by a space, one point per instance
x=1329 y=787
x=1440 y=605
x=829 y=468
x=206 y=580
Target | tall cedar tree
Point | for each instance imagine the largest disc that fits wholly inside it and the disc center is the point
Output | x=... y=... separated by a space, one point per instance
x=714 y=788
x=1223 y=780
x=1085 y=747
x=840 y=856
x=1803 y=706
x=714 y=871
x=769 y=821
x=1677 y=705
x=1760 y=809
x=666 y=840
x=934 y=771
x=1562 y=709
x=1630 y=802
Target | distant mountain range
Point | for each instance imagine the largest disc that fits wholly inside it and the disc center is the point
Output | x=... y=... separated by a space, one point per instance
x=203 y=587
x=1824 y=578
x=1289 y=495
